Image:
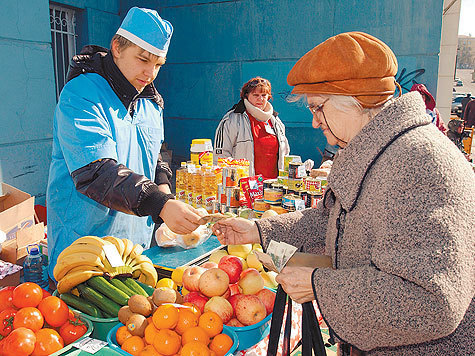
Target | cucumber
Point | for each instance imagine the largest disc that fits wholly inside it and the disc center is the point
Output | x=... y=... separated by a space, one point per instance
x=100 y=284
x=81 y=305
x=132 y=284
x=116 y=282
x=148 y=289
x=102 y=302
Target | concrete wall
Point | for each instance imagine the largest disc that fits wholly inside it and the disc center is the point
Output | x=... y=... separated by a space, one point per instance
x=216 y=47
x=219 y=45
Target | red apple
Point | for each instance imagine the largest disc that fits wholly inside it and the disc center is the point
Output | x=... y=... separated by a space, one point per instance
x=251 y=281
x=209 y=264
x=191 y=277
x=234 y=289
x=232 y=265
x=213 y=282
x=234 y=322
x=250 y=310
x=226 y=294
x=267 y=297
x=233 y=299
x=220 y=306
x=196 y=299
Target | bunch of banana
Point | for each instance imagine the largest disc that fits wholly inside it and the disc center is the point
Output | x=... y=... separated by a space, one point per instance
x=86 y=258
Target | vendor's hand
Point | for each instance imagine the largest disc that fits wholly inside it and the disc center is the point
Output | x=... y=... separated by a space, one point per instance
x=297 y=283
x=236 y=231
x=181 y=218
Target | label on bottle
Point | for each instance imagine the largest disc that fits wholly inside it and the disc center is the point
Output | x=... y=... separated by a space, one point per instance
x=180 y=194
x=208 y=200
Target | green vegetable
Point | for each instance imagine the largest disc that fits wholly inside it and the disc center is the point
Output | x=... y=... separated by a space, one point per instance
x=81 y=305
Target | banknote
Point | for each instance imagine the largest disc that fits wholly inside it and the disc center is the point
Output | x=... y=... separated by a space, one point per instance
x=277 y=255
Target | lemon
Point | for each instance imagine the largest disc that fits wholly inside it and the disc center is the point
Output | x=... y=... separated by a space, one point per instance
x=166 y=282
x=177 y=275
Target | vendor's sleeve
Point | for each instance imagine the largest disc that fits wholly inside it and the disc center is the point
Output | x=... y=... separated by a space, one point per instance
x=83 y=132
x=306 y=227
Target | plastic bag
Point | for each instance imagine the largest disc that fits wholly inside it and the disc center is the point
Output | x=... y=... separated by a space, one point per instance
x=167 y=238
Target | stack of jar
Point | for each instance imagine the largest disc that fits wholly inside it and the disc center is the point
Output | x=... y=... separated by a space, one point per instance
x=291 y=190
x=229 y=192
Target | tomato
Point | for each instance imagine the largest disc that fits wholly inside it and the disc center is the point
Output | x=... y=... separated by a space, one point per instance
x=6 y=321
x=6 y=298
x=72 y=330
x=20 y=342
x=54 y=310
x=27 y=294
x=46 y=293
x=28 y=317
x=48 y=341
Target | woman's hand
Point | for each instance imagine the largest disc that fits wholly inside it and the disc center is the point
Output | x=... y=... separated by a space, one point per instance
x=236 y=231
x=297 y=283
x=181 y=218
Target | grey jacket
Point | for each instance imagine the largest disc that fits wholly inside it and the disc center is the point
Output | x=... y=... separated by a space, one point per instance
x=233 y=137
x=397 y=221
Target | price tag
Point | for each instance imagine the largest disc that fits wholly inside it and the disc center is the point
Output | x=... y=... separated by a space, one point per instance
x=299 y=204
x=113 y=255
x=90 y=345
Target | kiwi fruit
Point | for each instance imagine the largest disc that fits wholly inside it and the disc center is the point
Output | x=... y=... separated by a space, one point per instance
x=137 y=324
x=124 y=314
x=139 y=304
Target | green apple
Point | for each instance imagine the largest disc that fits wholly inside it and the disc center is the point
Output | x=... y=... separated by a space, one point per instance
x=269 y=279
x=253 y=262
x=240 y=250
x=216 y=255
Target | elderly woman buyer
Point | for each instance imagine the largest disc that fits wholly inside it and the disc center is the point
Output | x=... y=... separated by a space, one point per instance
x=396 y=219
x=252 y=130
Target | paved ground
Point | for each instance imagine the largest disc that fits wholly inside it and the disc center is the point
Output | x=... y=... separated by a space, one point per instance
x=468 y=85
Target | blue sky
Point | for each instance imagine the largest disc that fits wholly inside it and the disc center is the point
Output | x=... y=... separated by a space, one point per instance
x=467 y=16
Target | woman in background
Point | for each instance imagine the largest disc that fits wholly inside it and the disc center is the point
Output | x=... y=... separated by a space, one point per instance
x=252 y=130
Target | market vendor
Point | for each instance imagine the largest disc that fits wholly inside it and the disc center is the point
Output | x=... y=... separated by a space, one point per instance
x=252 y=130
x=105 y=176
x=396 y=218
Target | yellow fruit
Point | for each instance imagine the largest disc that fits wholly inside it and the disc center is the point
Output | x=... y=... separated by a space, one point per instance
x=253 y=262
x=240 y=250
x=257 y=247
x=184 y=291
x=177 y=275
x=244 y=263
x=216 y=255
x=269 y=279
x=166 y=282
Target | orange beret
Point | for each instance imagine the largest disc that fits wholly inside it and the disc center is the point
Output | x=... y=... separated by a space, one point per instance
x=352 y=63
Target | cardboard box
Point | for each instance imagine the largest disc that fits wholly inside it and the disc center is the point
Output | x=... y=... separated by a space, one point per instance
x=15 y=250
x=16 y=210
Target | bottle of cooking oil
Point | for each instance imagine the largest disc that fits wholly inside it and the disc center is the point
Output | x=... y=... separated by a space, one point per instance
x=197 y=189
x=190 y=169
x=181 y=183
x=209 y=187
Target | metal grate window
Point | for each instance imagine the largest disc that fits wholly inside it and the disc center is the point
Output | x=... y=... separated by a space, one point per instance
x=63 y=36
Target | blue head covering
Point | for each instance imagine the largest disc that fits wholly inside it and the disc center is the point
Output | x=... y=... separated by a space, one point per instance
x=146 y=29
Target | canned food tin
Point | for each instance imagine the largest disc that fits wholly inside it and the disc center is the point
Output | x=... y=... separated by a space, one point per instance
x=314 y=198
x=232 y=196
x=304 y=197
x=323 y=182
x=289 y=199
x=230 y=176
x=289 y=207
x=268 y=183
x=283 y=173
x=277 y=186
x=261 y=205
x=278 y=209
x=285 y=190
x=216 y=207
x=221 y=194
x=295 y=184
x=282 y=180
x=313 y=184
x=272 y=195
x=296 y=170
x=290 y=158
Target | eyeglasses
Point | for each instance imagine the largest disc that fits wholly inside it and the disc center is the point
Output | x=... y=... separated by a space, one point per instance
x=316 y=108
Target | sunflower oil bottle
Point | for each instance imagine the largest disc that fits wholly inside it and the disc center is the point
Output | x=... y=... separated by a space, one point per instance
x=190 y=169
x=181 y=183
x=209 y=188
x=197 y=189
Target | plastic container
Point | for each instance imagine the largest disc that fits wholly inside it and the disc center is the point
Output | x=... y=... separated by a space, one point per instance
x=181 y=183
x=250 y=335
x=89 y=331
x=101 y=326
x=201 y=151
x=35 y=267
x=112 y=341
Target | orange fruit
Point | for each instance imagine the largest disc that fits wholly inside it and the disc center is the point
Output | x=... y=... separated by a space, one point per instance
x=193 y=307
x=221 y=344
x=149 y=350
x=133 y=345
x=167 y=342
x=195 y=348
x=186 y=319
x=122 y=334
x=149 y=333
x=165 y=317
x=195 y=333
x=211 y=323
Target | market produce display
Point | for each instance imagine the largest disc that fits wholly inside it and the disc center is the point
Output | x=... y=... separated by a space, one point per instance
x=32 y=322
x=86 y=258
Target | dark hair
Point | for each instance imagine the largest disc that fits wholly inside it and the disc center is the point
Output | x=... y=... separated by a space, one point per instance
x=122 y=41
x=252 y=84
